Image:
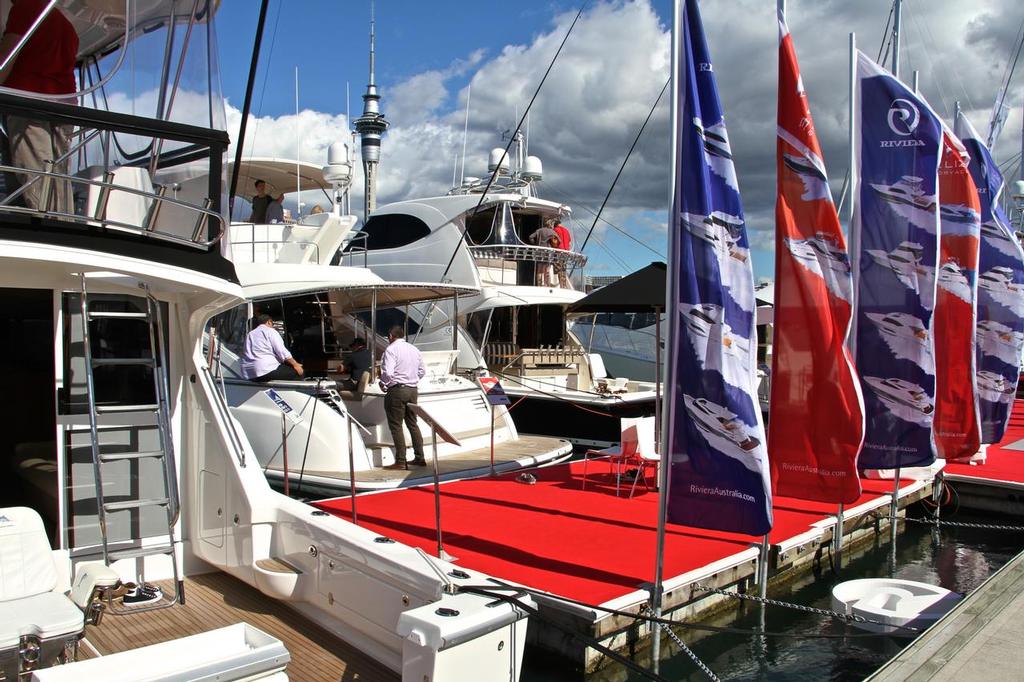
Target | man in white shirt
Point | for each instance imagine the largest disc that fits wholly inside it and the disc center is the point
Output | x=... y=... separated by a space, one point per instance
x=401 y=368
x=264 y=357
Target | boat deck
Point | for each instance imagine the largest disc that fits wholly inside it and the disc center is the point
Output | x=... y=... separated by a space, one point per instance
x=978 y=640
x=215 y=600
x=527 y=451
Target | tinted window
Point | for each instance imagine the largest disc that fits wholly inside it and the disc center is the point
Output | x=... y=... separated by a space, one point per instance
x=393 y=230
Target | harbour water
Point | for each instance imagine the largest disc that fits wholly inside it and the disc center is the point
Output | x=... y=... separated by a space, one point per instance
x=809 y=647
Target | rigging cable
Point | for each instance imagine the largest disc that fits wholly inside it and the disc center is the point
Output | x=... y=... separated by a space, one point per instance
x=997 y=107
x=624 y=233
x=511 y=139
x=247 y=102
x=640 y=132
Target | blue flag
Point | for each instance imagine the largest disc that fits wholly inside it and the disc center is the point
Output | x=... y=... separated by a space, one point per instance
x=895 y=249
x=1000 y=330
x=719 y=465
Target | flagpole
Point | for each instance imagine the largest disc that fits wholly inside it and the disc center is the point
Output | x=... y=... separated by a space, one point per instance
x=838 y=529
x=896 y=26
x=670 y=283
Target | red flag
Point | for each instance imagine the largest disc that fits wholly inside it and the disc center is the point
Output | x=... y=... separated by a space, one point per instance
x=816 y=421
x=957 y=426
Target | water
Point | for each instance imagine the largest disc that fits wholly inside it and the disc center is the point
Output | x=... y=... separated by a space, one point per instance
x=819 y=647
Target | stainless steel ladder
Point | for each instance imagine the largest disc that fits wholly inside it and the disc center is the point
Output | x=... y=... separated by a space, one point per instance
x=159 y=412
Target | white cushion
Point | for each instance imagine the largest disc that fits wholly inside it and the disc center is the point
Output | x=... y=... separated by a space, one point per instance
x=597 y=369
x=45 y=615
x=26 y=562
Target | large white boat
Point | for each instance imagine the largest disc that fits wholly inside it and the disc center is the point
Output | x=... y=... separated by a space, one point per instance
x=121 y=439
x=320 y=310
x=516 y=328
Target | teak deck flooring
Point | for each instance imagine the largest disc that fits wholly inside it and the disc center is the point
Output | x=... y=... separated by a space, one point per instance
x=215 y=600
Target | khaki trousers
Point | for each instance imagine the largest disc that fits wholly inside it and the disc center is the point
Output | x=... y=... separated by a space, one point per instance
x=33 y=143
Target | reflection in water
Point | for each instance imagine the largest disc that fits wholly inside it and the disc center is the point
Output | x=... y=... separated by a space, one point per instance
x=960 y=560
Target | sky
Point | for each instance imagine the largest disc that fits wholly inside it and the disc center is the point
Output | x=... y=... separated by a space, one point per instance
x=431 y=57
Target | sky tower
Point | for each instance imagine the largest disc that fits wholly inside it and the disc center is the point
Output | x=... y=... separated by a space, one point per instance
x=370 y=126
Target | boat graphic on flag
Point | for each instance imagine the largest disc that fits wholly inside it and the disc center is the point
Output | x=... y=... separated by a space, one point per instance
x=1000 y=314
x=894 y=238
x=957 y=429
x=715 y=434
x=817 y=422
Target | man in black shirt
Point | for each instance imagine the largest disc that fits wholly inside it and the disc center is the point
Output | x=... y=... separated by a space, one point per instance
x=359 y=362
x=260 y=202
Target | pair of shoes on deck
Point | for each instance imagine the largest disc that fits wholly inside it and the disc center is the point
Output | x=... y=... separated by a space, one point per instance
x=419 y=461
x=397 y=466
x=142 y=594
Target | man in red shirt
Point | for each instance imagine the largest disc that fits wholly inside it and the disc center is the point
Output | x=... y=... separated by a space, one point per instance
x=564 y=242
x=45 y=64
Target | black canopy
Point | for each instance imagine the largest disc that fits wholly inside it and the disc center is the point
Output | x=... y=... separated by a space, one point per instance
x=640 y=292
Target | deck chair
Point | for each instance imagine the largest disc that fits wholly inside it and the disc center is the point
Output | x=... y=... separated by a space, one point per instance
x=625 y=454
x=645 y=456
x=41 y=617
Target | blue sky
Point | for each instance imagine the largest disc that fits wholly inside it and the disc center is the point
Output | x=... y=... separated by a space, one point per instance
x=598 y=93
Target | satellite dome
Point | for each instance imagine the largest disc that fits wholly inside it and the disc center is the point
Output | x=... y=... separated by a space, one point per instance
x=533 y=169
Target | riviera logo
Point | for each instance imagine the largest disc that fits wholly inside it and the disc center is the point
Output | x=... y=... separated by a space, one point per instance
x=903 y=117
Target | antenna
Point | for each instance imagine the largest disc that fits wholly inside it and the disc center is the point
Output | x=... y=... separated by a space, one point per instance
x=298 y=144
x=465 y=134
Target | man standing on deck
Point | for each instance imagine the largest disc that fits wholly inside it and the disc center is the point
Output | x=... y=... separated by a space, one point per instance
x=260 y=202
x=46 y=65
x=401 y=368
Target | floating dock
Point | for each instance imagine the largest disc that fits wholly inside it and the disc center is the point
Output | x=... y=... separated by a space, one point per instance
x=593 y=547
x=978 y=640
x=997 y=486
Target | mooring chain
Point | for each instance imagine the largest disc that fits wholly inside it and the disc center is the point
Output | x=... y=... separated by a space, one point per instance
x=784 y=604
x=964 y=524
x=646 y=608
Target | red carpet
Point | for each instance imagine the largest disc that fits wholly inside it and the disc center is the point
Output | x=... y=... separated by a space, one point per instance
x=583 y=544
x=1002 y=464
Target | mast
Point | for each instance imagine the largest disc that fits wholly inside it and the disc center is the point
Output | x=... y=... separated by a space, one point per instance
x=896 y=27
x=370 y=126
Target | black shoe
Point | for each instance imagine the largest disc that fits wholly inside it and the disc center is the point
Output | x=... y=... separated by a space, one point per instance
x=397 y=466
x=142 y=594
x=419 y=461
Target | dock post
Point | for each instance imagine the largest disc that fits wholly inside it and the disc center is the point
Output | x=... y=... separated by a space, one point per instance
x=351 y=467
x=893 y=511
x=762 y=567
x=492 y=440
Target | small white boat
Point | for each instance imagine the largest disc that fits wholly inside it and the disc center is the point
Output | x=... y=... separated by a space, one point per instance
x=893 y=606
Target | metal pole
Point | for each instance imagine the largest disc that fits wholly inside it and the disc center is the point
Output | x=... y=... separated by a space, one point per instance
x=441 y=554
x=896 y=26
x=284 y=449
x=663 y=477
x=373 y=329
x=247 y=102
x=351 y=467
x=894 y=509
x=762 y=566
x=657 y=376
x=492 y=439
x=593 y=326
x=837 y=539
x=455 y=322
x=916 y=78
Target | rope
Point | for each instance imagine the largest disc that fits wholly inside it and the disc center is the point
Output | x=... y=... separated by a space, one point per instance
x=682 y=647
x=965 y=524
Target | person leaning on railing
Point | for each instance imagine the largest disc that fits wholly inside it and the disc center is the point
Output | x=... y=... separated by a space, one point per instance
x=45 y=64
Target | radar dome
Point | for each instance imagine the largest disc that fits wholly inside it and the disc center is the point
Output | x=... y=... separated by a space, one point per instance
x=533 y=169
x=496 y=157
x=338 y=170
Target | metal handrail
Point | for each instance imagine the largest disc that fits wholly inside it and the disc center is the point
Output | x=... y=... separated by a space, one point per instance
x=253 y=242
x=221 y=404
x=351 y=247
x=205 y=213
x=524 y=252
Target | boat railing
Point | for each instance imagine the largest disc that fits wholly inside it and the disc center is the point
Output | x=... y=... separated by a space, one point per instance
x=199 y=225
x=271 y=253
x=525 y=252
x=356 y=246
x=546 y=359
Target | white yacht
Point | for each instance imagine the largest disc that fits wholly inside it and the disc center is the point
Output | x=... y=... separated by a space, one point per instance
x=721 y=230
x=516 y=328
x=121 y=451
x=824 y=257
x=905 y=399
x=1001 y=240
x=1000 y=341
x=953 y=280
x=320 y=310
x=906 y=335
x=724 y=430
x=905 y=262
x=994 y=387
x=999 y=285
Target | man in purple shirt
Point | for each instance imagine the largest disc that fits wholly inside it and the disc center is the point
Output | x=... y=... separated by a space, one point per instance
x=265 y=358
x=401 y=368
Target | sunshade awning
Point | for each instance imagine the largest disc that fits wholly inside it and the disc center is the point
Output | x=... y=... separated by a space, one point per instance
x=640 y=292
x=279 y=174
x=353 y=288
